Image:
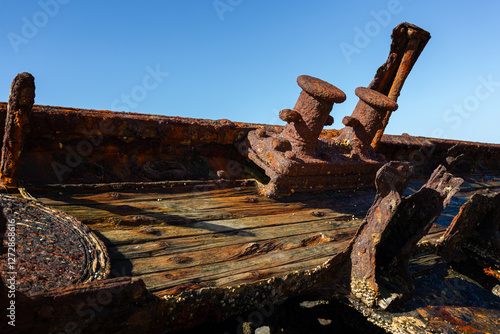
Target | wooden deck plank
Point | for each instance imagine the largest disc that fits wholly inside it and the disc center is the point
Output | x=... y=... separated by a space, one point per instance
x=132 y=208
x=232 y=253
x=224 y=236
x=233 y=226
x=272 y=263
x=211 y=240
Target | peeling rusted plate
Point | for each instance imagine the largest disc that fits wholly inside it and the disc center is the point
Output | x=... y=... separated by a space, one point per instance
x=47 y=249
x=475 y=231
x=445 y=301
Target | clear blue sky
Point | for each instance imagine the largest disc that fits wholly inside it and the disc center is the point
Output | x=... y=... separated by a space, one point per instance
x=239 y=59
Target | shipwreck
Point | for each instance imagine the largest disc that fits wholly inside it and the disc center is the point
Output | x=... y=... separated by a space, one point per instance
x=118 y=222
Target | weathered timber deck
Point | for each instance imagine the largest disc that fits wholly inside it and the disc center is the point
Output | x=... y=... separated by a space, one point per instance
x=215 y=237
x=221 y=234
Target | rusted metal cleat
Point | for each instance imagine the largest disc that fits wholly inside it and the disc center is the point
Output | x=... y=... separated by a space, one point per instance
x=21 y=100
x=390 y=231
x=474 y=233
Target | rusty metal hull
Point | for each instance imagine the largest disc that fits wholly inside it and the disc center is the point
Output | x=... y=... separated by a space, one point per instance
x=147 y=312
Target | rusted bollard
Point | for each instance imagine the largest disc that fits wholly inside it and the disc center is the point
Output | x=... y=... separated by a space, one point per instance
x=294 y=159
x=21 y=100
x=366 y=119
x=310 y=114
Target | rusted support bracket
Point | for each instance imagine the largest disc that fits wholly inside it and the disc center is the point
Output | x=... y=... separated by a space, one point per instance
x=474 y=233
x=365 y=127
x=21 y=100
x=408 y=41
x=394 y=224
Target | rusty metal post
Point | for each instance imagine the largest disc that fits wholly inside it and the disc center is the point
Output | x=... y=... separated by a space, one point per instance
x=408 y=41
x=21 y=100
x=366 y=120
x=310 y=114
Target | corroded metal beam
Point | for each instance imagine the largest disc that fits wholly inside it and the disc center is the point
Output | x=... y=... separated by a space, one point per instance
x=387 y=237
x=408 y=41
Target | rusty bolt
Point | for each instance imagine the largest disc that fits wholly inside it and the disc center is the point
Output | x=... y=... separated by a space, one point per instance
x=151 y=231
x=251 y=199
x=289 y=116
x=313 y=110
x=317 y=213
x=221 y=174
x=350 y=121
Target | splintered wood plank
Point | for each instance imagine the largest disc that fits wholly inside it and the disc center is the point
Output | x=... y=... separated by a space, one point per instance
x=184 y=254
x=222 y=234
x=174 y=245
x=242 y=277
x=229 y=253
x=249 y=269
x=232 y=227
x=130 y=209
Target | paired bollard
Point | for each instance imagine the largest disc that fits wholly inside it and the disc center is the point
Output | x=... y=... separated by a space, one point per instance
x=297 y=160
